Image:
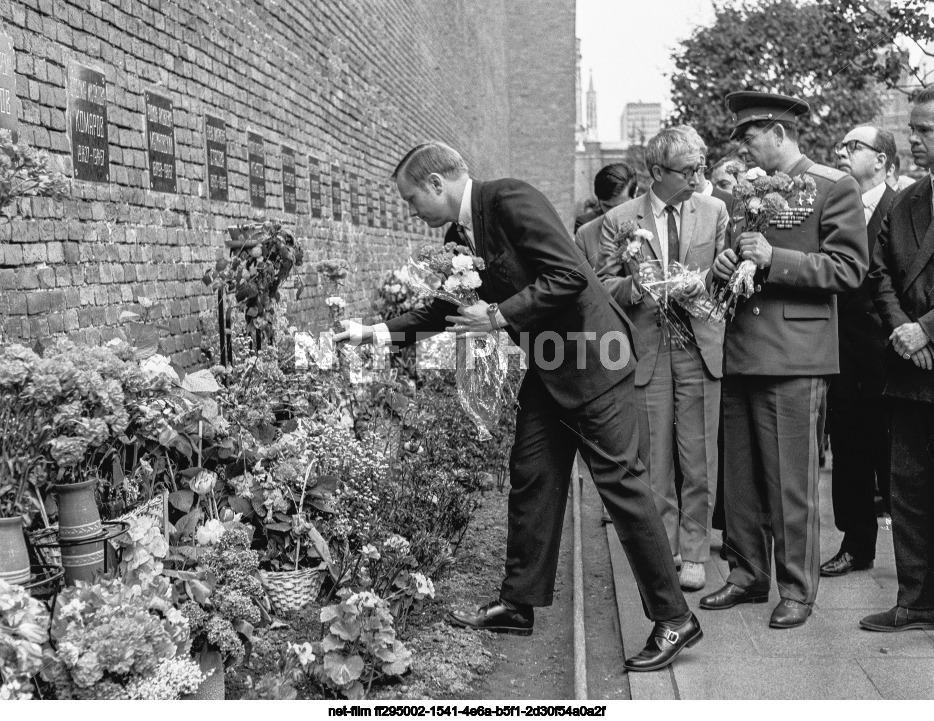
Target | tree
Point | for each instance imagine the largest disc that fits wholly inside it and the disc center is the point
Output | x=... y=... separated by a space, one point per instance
x=804 y=49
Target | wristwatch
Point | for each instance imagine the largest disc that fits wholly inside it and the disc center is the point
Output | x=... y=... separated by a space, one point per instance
x=491 y=311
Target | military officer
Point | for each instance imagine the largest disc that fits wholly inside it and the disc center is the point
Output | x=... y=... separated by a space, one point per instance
x=779 y=350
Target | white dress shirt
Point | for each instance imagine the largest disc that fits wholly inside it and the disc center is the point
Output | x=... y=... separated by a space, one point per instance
x=661 y=224
x=871 y=200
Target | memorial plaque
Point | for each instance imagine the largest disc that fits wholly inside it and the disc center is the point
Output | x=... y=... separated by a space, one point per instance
x=288 y=179
x=383 y=220
x=160 y=137
x=337 y=209
x=314 y=187
x=8 y=101
x=215 y=138
x=87 y=121
x=354 y=199
x=256 y=158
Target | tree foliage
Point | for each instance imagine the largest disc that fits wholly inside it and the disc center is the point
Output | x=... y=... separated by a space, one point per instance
x=806 y=49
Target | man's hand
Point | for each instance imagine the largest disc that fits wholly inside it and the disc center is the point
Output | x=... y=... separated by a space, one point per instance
x=724 y=264
x=354 y=333
x=924 y=358
x=472 y=319
x=754 y=247
x=690 y=292
x=908 y=339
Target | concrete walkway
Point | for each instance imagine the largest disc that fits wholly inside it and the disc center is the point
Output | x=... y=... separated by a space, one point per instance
x=829 y=657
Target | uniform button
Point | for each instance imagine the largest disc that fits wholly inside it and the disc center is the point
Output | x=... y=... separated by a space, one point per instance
x=758 y=289
x=785 y=271
x=755 y=311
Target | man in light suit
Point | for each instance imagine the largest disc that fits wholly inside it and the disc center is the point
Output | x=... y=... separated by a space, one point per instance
x=859 y=434
x=780 y=347
x=577 y=395
x=901 y=279
x=613 y=184
x=678 y=382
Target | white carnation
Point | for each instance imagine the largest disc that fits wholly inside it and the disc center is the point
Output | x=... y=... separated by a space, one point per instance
x=452 y=284
x=471 y=279
x=754 y=173
x=462 y=262
x=210 y=533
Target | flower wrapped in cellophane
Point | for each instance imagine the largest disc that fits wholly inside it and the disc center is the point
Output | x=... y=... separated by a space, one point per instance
x=451 y=273
x=765 y=200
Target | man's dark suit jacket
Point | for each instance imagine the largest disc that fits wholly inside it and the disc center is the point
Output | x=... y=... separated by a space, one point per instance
x=546 y=291
x=862 y=337
x=902 y=278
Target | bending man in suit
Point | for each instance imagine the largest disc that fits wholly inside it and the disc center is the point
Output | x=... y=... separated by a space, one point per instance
x=859 y=433
x=677 y=384
x=780 y=347
x=901 y=279
x=613 y=184
x=577 y=394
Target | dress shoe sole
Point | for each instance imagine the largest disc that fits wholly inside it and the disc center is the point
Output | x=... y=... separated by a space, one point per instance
x=512 y=630
x=743 y=599
x=916 y=626
x=667 y=662
x=795 y=624
x=854 y=567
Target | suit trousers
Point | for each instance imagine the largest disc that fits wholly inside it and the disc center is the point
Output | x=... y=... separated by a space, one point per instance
x=913 y=502
x=605 y=431
x=772 y=427
x=859 y=439
x=680 y=409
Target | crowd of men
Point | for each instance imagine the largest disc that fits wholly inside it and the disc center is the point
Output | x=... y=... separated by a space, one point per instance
x=739 y=406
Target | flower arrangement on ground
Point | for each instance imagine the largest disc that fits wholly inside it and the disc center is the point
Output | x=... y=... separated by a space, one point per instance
x=116 y=641
x=26 y=172
x=24 y=640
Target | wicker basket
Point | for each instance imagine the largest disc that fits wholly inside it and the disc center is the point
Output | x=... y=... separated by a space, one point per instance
x=292 y=590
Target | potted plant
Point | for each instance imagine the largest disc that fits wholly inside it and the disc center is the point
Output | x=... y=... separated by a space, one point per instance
x=116 y=641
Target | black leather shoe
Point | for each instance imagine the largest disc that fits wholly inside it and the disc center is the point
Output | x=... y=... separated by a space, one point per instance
x=843 y=563
x=899 y=619
x=789 y=614
x=499 y=616
x=668 y=639
x=731 y=595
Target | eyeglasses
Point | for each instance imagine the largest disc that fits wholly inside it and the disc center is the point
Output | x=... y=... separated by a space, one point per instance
x=687 y=173
x=852 y=145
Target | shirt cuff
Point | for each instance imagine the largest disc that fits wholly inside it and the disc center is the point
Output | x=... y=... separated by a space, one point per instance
x=381 y=335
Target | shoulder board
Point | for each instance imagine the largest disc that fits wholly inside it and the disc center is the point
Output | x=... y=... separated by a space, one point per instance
x=826 y=172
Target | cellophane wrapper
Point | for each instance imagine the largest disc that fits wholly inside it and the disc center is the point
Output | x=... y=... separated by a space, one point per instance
x=681 y=277
x=482 y=361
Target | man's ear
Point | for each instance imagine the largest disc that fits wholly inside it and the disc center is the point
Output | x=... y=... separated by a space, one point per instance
x=656 y=177
x=435 y=182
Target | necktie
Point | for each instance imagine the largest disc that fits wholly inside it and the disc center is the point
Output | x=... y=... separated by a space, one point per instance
x=673 y=242
x=464 y=237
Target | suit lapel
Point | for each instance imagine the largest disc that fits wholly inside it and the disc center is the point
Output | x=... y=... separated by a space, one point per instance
x=875 y=221
x=924 y=232
x=688 y=228
x=647 y=221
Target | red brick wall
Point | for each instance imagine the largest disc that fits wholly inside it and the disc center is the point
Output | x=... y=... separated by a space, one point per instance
x=352 y=82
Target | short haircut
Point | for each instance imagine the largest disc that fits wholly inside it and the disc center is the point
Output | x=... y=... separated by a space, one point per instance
x=925 y=95
x=614 y=179
x=669 y=143
x=791 y=130
x=427 y=158
x=691 y=132
x=885 y=141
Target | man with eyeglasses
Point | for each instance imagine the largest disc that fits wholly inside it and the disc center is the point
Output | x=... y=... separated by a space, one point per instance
x=859 y=434
x=781 y=347
x=677 y=382
x=901 y=279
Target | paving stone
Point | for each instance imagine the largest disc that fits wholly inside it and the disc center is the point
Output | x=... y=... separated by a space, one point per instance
x=900 y=678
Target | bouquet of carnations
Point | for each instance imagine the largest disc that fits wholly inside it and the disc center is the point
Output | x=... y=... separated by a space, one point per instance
x=451 y=273
x=765 y=201
x=668 y=289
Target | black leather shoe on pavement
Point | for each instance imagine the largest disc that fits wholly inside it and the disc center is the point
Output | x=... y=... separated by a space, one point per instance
x=731 y=595
x=668 y=639
x=899 y=619
x=789 y=614
x=499 y=616
x=843 y=563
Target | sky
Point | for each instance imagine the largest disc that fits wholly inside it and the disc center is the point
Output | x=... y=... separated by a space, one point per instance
x=628 y=45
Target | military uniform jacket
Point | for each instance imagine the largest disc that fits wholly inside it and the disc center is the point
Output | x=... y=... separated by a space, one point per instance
x=902 y=281
x=789 y=326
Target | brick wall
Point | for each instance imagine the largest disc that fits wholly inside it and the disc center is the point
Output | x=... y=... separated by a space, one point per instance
x=353 y=82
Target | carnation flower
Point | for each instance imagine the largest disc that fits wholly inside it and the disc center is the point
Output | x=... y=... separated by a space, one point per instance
x=204 y=482
x=754 y=173
x=645 y=234
x=462 y=262
x=210 y=533
x=452 y=284
x=335 y=301
x=370 y=552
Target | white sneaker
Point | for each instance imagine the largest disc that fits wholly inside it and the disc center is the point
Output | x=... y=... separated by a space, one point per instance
x=692 y=576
